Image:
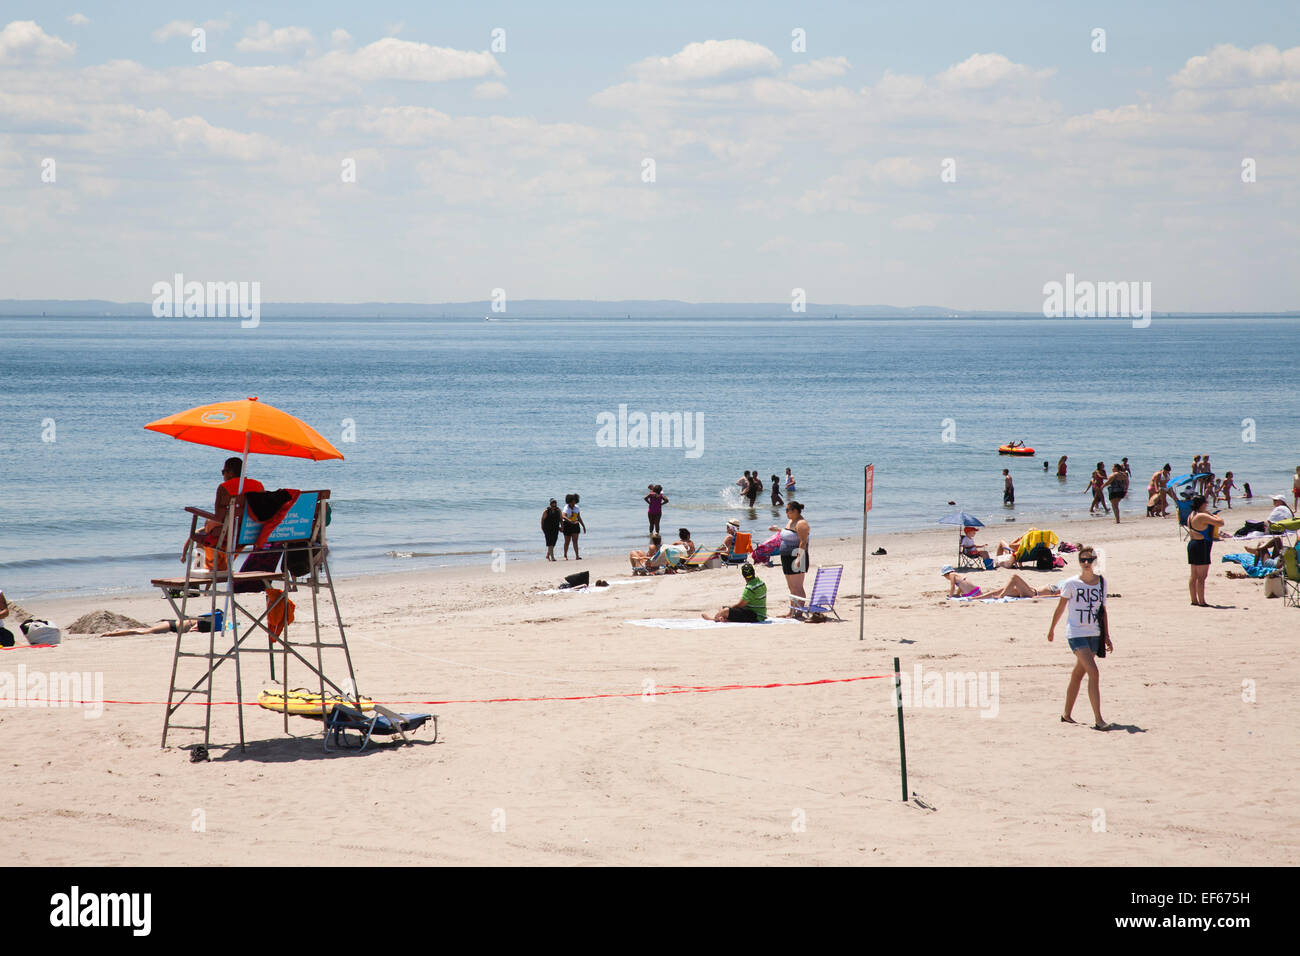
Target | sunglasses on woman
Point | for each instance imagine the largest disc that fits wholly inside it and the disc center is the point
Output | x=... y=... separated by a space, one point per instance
x=1087 y=560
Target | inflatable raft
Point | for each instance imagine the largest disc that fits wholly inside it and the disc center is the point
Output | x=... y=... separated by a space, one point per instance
x=1014 y=450
x=306 y=703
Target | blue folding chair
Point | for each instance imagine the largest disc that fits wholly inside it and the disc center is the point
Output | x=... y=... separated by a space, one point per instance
x=380 y=721
x=826 y=586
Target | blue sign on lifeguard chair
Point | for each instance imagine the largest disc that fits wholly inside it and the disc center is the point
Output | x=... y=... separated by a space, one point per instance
x=296 y=526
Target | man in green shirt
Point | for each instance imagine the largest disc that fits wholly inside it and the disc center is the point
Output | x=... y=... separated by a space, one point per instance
x=753 y=601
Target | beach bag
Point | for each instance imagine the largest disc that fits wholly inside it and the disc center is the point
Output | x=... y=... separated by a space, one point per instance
x=1274 y=586
x=6 y=637
x=1103 y=622
x=40 y=632
x=579 y=579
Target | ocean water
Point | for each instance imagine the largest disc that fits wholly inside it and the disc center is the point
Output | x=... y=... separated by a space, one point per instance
x=464 y=429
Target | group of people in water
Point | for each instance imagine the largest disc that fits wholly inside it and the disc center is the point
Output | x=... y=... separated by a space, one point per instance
x=751 y=486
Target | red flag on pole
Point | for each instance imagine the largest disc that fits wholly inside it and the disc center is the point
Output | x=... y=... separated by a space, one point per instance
x=870 y=481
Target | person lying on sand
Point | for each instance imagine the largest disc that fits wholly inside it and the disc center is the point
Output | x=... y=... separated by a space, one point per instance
x=753 y=601
x=1017 y=587
x=162 y=627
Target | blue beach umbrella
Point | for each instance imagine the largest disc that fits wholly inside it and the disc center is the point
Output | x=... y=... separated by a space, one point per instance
x=1182 y=480
x=962 y=520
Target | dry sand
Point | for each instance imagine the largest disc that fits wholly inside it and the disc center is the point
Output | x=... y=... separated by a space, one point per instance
x=1195 y=776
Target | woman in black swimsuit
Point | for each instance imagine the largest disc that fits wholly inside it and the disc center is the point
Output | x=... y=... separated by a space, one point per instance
x=1202 y=528
x=1116 y=488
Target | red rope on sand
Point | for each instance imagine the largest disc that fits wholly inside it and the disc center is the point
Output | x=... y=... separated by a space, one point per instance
x=663 y=691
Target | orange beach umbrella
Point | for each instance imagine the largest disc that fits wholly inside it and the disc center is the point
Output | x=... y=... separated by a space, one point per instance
x=247 y=426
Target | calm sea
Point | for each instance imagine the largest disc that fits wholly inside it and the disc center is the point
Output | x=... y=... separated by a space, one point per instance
x=464 y=429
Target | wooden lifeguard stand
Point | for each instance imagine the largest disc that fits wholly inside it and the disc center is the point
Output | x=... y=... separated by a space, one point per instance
x=293 y=557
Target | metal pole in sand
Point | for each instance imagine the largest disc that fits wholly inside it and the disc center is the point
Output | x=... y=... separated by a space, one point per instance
x=902 y=747
x=868 y=480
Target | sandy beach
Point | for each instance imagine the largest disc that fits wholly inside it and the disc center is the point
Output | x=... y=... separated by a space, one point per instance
x=1195 y=775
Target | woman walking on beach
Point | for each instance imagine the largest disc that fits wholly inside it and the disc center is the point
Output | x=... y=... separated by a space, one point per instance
x=1084 y=596
x=1117 y=485
x=794 y=548
x=551 y=519
x=656 y=501
x=1202 y=529
x=572 y=526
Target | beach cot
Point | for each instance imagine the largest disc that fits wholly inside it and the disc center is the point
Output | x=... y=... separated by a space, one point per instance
x=826 y=587
x=741 y=548
x=380 y=721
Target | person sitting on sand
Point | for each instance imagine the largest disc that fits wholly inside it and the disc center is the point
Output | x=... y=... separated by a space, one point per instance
x=1268 y=554
x=753 y=601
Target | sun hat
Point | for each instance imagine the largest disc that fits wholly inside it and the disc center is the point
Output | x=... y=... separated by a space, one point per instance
x=946 y=569
x=1280 y=499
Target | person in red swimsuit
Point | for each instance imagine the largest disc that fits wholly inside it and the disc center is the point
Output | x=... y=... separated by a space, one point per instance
x=226 y=493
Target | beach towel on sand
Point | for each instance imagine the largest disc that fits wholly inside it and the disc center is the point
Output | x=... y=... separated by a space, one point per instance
x=696 y=624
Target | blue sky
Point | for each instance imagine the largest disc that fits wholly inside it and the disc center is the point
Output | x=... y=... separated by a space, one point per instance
x=522 y=169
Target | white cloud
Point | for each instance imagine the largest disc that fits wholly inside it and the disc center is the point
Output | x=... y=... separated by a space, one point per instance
x=263 y=39
x=491 y=91
x=814 y=71
x=710 y=60
x=982 y=70
x=393 y=59
x=26 y=38
x=340 y=39
x=78 y=19
x=1227 y=66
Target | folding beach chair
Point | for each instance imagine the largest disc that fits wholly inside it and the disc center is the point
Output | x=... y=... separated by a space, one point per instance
x=703 y=558
x=967 y=561
x=1184 y=512
x=741 y=548
x=380 y=721
x=826 y=586
x=1291 y=579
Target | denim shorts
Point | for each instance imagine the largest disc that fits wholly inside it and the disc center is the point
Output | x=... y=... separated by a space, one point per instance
x=1079 y=643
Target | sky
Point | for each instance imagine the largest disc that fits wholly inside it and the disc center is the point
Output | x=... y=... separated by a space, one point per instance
x=900 y=154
